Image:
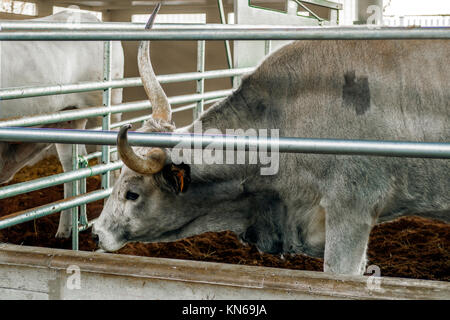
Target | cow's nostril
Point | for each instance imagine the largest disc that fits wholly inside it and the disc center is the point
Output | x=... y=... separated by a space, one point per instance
x=95 y=238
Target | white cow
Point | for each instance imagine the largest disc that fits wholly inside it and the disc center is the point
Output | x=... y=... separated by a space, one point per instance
x=31 y=63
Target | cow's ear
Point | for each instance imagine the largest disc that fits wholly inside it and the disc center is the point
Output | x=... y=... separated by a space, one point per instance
x=176 y=177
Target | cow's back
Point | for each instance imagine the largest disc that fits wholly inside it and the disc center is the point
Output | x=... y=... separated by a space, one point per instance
x=370 y=90
x=377 y=89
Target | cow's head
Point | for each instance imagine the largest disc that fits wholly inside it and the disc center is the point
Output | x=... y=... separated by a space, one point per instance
x=154 y=199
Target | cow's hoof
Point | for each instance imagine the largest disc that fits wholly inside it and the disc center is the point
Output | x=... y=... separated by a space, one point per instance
x=63 y=234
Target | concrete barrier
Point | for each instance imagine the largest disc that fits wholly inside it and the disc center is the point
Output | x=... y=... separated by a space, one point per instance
x=43 y=273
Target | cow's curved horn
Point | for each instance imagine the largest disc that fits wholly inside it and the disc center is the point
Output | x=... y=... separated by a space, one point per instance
x=154 y=162
x=157 y=96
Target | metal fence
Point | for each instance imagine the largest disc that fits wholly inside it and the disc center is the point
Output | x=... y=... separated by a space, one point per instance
x=14 y=31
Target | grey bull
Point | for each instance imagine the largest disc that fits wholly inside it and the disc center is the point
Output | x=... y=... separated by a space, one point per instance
x=319 y=205
x=31 y=63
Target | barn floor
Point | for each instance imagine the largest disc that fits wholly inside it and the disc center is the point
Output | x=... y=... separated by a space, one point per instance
x=408 y=247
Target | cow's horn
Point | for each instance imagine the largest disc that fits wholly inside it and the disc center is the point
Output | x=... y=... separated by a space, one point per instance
x=160 y=103
x=153 y=163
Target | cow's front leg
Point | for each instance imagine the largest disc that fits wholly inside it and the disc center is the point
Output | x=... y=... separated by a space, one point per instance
x=347 y=237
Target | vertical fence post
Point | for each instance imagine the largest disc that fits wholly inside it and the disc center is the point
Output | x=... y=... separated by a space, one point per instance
x=106 y=121
x=267 y=47
x=201 y=82
x=83 y=163
x=74 y=194
x=227 y=42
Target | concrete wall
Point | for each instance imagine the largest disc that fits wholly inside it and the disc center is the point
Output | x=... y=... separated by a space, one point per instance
x=43 y=273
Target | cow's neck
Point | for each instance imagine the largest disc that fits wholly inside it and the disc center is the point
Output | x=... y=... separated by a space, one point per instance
x=246 y=108
x=231 y=199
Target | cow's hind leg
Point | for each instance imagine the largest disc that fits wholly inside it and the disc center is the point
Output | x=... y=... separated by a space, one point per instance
x=65 y=219
x=65 y=157
x=348 y=225
x=346 y=246
x=352 y=202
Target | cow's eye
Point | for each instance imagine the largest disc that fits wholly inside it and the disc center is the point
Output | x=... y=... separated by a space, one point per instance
x=131 y=196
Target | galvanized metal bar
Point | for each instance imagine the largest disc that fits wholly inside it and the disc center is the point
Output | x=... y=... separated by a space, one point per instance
x=75 y=194
x=27 y=25
x=227 y=42
x=201 y=82
x=45 y=210
x=106 y=121
x=141 y=119
x=53 y=180
x=195 y=97
x=87 y=226
x=112 y=150
x=83 y=210
x=45 y=26
x=100 y=111
x=74 y=114
x=308 y=10
x=241 y=33
x=38 y=91
x=148 y=116
x=267 y=47
x=325 y=3
x=99 y=154
x=282 y=144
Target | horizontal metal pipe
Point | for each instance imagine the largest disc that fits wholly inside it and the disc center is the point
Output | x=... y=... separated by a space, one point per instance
x=85 y=227
x=138 y=119
x=199 y=96
x=91 y=112
x=283 y=144
x=45 y=210
x=41 y=183
x=77 y=114
x=241 y=33
x=37 y=91
x=146 y=117
x=98 y=154
x=53 y=180
x=96 y=26
x=119 y=26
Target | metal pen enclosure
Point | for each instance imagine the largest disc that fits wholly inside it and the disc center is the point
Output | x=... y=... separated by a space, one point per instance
x=109 y=32
x=80 y=173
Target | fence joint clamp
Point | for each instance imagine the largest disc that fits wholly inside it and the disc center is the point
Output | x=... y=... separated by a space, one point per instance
x=83 y=162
